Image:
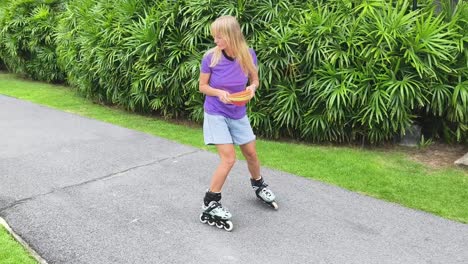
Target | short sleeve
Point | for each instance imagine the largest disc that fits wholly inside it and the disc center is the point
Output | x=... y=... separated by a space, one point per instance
x=205 y=64
x=254 y=56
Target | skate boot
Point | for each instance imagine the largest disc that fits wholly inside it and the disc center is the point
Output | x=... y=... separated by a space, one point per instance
x=264 y=193
x=214 y=213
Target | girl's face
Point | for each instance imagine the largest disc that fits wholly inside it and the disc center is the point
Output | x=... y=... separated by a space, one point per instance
x=220 y=42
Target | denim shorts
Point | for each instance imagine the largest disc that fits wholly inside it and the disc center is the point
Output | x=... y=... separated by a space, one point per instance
x=218 y=129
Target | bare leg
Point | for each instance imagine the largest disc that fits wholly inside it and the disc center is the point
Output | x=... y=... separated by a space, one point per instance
x=260 y=188
x=250 y=153
x=227 y=153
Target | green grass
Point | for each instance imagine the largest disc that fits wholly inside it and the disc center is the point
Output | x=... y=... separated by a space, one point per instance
x=390 y=175
x=11 y=252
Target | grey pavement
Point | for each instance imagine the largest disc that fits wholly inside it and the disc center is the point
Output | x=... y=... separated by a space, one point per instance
x=79 y=190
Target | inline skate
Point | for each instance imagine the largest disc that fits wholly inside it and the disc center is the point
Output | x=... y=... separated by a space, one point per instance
x=214 y=213
x=264 y=193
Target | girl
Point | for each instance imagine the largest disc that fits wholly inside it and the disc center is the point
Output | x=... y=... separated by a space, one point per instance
x=225 y=69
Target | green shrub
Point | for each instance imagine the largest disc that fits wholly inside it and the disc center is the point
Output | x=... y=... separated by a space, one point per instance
x=2 y=14
x=124 y=52
x=374 y=72
x=27 y=40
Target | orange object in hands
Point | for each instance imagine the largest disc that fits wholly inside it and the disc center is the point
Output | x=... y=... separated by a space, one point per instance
x=240 y=98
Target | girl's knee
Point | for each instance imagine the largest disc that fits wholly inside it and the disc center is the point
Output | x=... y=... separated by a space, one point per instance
x=250 y=155
x=229 y=161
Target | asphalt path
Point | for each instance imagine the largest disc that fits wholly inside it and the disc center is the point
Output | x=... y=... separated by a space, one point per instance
x=79 y=190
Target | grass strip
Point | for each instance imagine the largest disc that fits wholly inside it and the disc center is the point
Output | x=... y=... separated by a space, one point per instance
x=11 y=252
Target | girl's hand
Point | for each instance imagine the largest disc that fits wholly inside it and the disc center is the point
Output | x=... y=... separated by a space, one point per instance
x=224 y=97
x=252 y=89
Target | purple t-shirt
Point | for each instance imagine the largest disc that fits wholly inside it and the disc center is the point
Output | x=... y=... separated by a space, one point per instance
x=226 y=75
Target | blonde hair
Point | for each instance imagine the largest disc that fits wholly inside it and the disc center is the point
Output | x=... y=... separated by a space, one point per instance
x=229 y=29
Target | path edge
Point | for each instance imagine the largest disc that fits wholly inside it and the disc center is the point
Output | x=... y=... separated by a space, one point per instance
x=23 y=243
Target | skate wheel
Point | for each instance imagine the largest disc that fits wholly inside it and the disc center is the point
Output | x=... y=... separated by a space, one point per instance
x=219 y=225
x=228 y=226
x=274 y=205
x=211 y=222
x=203 y=219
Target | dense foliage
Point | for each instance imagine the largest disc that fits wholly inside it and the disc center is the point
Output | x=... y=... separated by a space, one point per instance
x=341 y=70
x=2 y=10
x=27 y=38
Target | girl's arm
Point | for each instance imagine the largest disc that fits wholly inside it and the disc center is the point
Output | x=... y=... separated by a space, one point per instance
x=254 y=83
x=205 y=88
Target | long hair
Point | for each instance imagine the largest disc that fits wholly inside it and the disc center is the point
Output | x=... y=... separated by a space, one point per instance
x=229 y=29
